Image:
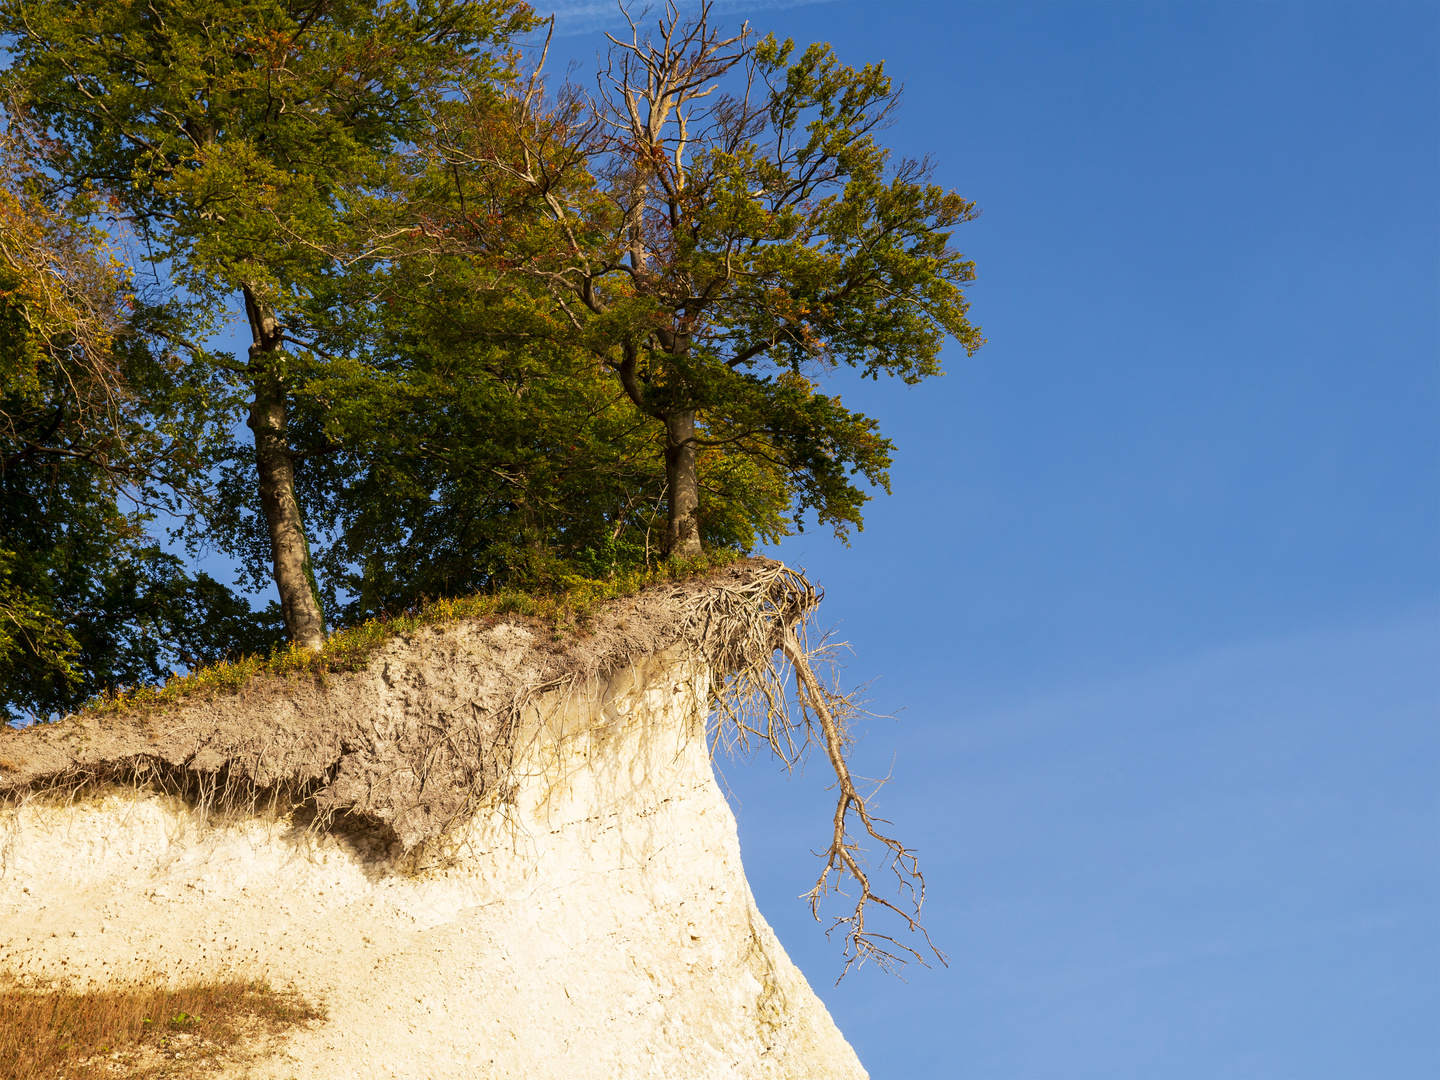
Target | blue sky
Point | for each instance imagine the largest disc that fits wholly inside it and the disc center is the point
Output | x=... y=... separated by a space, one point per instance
x=1156 y=601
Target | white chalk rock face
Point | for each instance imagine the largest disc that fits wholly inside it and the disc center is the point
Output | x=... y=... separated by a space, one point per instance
x=593 y=920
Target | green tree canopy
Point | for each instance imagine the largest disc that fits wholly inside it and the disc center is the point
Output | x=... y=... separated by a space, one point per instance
x=99 y=425
x=718 y=251
x=233 y=136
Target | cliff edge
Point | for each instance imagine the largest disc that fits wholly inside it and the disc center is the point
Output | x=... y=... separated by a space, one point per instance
x=488 y=854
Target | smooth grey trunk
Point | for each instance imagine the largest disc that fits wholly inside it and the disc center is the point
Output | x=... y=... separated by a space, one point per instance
x=294 y=577
x=682 y=530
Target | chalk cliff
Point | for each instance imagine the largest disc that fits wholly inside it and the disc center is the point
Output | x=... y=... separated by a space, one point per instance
x=487 y=854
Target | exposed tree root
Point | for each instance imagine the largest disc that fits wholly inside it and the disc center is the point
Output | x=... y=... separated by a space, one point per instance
x=759 y=643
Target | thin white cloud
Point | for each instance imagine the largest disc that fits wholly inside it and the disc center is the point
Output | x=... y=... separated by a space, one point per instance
x=575 y=17
x=1381 y=664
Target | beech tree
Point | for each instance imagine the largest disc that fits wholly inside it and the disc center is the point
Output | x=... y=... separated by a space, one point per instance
x=467 y=463
x=231 y=135
x=480 y=445
x=718 y=225
x=99 y=426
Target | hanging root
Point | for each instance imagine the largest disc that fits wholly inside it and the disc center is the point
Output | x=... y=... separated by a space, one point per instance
x=843 y=857
x=751 y=634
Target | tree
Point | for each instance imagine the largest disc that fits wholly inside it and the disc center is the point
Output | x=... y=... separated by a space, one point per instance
x=479 y=444
x=93 y=412
x=231 y=135
x=720 y=251
x=466 y=463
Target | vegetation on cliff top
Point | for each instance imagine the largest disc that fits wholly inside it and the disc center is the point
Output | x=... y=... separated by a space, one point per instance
x=502 y=331
x=566 y=606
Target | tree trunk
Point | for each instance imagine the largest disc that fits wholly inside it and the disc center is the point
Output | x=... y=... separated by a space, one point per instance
x=294 y=578
x=682 y=531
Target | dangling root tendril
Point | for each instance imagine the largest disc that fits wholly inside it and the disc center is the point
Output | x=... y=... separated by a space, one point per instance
x=742 y=631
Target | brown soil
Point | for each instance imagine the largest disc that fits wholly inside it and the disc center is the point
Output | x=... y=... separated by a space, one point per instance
x=410 y=744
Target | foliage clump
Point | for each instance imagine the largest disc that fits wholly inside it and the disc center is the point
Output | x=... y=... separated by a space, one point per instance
x=100 y=428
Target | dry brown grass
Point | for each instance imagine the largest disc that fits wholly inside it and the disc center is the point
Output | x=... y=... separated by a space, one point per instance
x=139 y=1031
